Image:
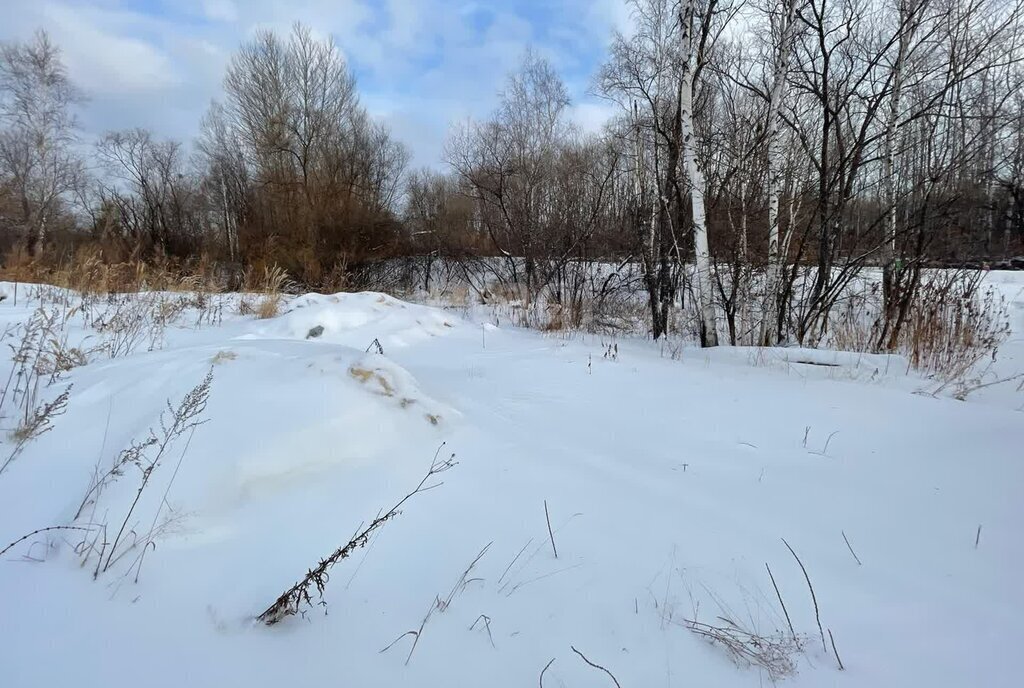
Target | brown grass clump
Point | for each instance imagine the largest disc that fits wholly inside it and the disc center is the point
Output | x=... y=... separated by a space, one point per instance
x=268 y=307
x=364 y=376
x=90 y=271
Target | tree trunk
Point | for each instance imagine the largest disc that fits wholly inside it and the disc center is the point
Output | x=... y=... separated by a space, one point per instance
x=702 y=257
x=776 y=258
x=908 y=10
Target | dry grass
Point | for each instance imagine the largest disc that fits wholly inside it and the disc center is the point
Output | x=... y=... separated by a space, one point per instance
x=39 y=423
x=268 y=307
x=365 y=376
x=88 y=271
x=774 y=653
x=298 y=598
x=223 y=357
x=555 y=321
x=146 y=456
x=951 y=326
x=268 y=280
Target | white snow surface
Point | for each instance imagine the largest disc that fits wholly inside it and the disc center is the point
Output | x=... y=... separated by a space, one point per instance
x=670 y=484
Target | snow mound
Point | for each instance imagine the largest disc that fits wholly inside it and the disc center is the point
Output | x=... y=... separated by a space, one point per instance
x=289 y=428
x=357 y=319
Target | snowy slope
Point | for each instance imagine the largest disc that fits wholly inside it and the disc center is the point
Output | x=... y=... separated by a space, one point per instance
x=670 y=484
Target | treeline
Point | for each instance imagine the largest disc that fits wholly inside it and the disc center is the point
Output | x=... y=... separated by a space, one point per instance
x=288 y=170
x=763 y=155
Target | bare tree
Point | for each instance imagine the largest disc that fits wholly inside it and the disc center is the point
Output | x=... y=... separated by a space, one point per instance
x=508 y=162
x=315 y=179
x=38 y=133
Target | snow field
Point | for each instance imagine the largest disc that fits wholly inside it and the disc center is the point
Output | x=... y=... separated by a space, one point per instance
x=669 y=484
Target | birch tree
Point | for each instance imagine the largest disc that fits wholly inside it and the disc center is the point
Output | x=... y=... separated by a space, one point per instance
x=695 y=177
x=641 y=77
x=785 y=29
x=909 y=18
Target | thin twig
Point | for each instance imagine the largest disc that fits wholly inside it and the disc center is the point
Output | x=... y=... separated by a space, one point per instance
x=772 y=653
x=825 y=449
x=441 y=606
x=419 y=632
x=783 y=604
x=977 y=537
x=487 y=625
x=550 y=534
x=516 y=558
x=850 y=547
x=541 y=680
x=817 y=615
x=395 y=641
x=37 y=532
x=597 y=666
x=160 y=506
x=835 y=651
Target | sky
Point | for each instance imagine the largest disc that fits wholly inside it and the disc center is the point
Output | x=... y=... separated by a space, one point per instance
x=420 y=64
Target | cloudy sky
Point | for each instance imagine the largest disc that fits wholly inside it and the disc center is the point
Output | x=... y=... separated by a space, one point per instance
x=420 y=63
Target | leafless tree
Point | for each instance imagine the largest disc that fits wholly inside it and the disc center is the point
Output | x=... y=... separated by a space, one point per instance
x=38 y=166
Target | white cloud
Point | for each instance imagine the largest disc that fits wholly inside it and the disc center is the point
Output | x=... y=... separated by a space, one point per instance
x=420 y=63
x=220 y=10
x=101 y=59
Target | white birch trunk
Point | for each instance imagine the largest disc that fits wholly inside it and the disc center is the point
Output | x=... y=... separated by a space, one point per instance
x=908 y=10
x=702 y=256
x=776 y=257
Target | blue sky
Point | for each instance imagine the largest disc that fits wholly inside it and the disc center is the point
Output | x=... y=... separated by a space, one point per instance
x=420 y=63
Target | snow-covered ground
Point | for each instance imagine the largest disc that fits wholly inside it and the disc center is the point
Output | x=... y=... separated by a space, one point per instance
x=670 y=482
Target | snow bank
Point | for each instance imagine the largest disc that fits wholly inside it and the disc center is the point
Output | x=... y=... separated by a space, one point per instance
x=357 y=319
